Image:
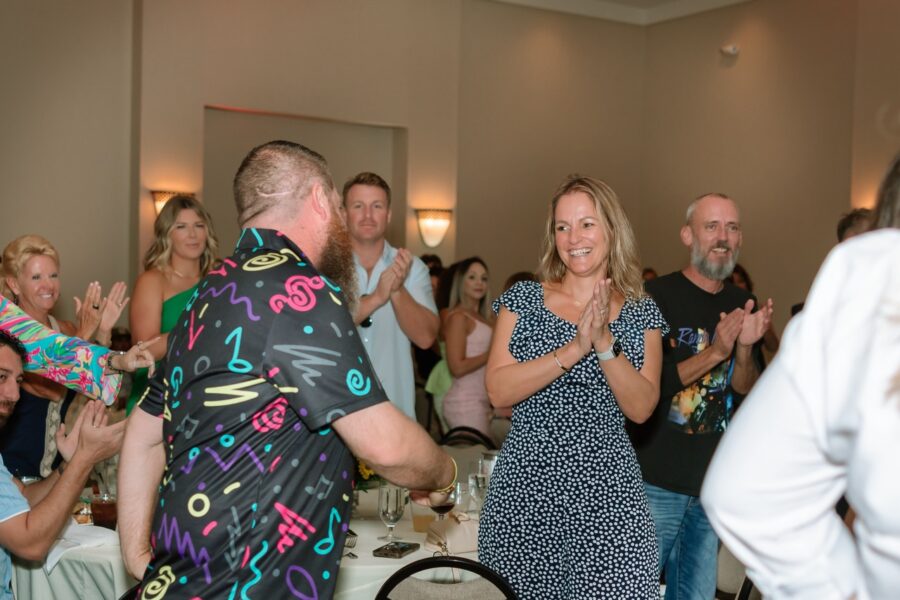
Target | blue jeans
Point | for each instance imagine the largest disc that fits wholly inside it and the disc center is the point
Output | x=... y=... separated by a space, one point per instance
x=687 y=544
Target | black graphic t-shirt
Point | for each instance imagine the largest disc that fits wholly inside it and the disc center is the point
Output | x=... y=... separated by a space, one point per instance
x=676 y=444
x=254 y=502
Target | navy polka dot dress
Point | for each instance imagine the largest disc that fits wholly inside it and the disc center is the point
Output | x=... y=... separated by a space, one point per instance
x=566 y=515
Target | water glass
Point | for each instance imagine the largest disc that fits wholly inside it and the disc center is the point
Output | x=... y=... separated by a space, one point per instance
x=391 y=504
x=478 y=488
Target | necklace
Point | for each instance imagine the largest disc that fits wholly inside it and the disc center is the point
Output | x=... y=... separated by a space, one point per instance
x=179 y=273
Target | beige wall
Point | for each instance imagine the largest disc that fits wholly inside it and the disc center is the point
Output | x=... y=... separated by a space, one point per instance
x=542 y=95
x=771 y=128
x=392 y=62
x=65 y=149
x=876 y=100
x=494 y=104
x=228 y=135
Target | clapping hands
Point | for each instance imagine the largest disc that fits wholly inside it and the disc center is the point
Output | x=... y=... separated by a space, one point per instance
x=593 y=324
x=756 y=323
x=97 y=314
x=743 y=326
x=90 y=435
x=393 y=278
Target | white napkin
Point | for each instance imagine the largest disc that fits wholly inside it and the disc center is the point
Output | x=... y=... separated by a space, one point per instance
x=74 y=535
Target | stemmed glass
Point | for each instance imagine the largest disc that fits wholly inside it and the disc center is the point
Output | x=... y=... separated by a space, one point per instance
x=448 y=505
x=391 y=504
x=478 y=482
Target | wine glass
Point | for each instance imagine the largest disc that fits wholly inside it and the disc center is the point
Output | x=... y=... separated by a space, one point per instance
x=391 y=504
x=478 y=481
x=448 y=505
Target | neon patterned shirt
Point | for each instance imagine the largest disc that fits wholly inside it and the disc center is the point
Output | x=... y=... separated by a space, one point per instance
x=254 y=502
x=69 y=361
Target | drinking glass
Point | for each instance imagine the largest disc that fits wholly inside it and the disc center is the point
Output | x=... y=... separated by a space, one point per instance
x=391 y=504
x=478 y=481
x=103 y=509
x=450 y=504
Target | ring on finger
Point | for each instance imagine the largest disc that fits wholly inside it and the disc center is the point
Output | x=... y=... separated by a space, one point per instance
x=95 y=306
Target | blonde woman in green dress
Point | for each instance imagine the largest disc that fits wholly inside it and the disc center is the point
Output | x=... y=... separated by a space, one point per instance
x=182 y=253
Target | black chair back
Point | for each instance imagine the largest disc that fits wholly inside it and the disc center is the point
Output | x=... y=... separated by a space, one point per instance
x=466 y=436
x=455 y=562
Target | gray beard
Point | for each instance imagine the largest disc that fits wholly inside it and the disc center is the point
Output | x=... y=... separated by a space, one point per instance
x=709 y=269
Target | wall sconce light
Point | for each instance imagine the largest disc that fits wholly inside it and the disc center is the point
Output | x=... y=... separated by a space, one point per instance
x=730 y=50
x=160 y=198
x=433 y=224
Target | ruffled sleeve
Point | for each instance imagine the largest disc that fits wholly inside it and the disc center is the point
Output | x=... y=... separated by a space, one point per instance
x=69 y=361
x=521 y=298
x=652 y=316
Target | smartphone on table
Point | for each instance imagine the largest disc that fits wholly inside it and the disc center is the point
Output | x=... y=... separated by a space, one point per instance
x=395 y=549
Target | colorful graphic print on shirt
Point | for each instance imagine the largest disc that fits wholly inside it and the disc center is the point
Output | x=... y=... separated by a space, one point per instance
x=706 y=405
x=254 y=501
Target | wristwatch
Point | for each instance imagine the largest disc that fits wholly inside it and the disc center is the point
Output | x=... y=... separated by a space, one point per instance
x=615 y=349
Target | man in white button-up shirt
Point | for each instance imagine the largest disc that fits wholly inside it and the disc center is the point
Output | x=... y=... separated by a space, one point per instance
x=396 y=305
x=824 y=420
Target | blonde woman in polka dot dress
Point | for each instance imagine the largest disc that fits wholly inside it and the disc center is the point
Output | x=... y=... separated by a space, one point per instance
x=574 y=356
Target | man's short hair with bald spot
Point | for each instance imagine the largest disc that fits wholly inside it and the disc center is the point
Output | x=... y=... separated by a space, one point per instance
x=277 y=174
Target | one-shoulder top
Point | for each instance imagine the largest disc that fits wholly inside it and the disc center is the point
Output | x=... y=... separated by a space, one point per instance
x=171 y=310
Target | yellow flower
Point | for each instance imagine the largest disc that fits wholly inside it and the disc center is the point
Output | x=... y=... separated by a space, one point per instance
x=365 y=471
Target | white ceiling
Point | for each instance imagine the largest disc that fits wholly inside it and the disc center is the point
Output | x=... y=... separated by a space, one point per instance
x=635 y=12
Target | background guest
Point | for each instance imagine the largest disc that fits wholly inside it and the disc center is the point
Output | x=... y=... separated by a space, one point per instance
x=467 y=332
x=835 y=387
x=566 y=515
x=517 y=277
x=31 y=279
x=853 y=223
x=435 y=267
x=32 y=516
x=183 y=251
x=708 y=365
x=396 y=302
x=427 y=358
x=440 y=379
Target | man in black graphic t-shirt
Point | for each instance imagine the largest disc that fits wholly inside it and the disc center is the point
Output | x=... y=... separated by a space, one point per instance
x=265 y=392
x=707 y=367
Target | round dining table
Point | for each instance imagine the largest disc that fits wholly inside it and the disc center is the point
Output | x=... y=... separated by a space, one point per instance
x=98 y=573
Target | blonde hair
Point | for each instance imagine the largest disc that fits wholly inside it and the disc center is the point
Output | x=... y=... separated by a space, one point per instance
x=624 y=267
x=459 y=274
x=160 y=253
x=18 y=252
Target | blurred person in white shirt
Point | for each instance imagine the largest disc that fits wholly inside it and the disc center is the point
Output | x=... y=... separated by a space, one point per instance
x=824 y=420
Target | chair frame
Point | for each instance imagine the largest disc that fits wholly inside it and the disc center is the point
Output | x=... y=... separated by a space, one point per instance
x=466 y=434
x=455 y=562
x=746 y=588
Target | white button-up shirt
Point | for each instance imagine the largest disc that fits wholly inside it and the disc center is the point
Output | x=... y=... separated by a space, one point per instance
x=389 y=349
x=823 y=420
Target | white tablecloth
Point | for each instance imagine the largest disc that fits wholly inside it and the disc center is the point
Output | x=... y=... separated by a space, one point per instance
x=99 y=573
x=81 y=574
x=361 y=578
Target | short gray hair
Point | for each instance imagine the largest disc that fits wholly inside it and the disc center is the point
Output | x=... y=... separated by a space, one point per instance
x=693 y=205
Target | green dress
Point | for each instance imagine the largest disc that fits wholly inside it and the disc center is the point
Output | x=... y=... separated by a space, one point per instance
x=171 y=310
